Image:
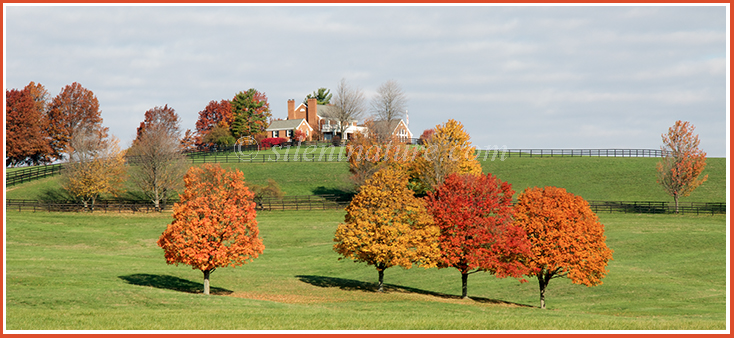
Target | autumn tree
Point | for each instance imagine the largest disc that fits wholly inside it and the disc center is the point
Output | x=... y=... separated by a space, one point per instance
x=348 y=106
x=386 y=225
x=474 y=213
x=158 y=162
x=679 y=171
x=322 y=96
x=25 y=138
x=566 y=237
x=368 y=153
x=251 y=111
x=426 y=136
x=214 y=224
x=188 y=141
x=448 y=151
x=72 y=107
x=96 y=165
x=214 y=114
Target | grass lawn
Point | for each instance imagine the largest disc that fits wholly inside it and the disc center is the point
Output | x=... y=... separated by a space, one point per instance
x=593 y=178
x=104 y=271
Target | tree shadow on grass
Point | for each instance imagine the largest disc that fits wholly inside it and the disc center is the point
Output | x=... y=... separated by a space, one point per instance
x=171 y=283
x=355 y=285
x=342 y=193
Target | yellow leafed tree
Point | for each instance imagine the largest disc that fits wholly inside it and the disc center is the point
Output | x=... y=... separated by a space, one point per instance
x=96 y=166
x=386 y=225
x=447 y=152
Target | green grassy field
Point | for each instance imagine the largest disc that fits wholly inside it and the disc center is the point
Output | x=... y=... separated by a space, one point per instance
x=594 y=178
x=104 y=271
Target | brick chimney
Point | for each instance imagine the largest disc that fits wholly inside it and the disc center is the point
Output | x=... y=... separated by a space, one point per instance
x=291 y=109
x=311 y=117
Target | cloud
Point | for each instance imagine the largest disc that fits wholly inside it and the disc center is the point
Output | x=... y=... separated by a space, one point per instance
x=529 y=72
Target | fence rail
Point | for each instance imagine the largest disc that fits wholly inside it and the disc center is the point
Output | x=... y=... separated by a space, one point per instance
x=31 y=173
x=305 y=202
x=338 y=154
x=643 y=207
x=483 y=154
x=335 y=202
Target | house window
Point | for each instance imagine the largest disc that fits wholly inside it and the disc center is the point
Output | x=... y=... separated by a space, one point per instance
x=289 y=133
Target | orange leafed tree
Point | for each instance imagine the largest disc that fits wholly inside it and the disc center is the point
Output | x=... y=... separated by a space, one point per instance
x=25 y=136
x=214 y=223
x=74 y=106
x=386 y=225
x=679 y=172
x=566 y=238
x=474 y=213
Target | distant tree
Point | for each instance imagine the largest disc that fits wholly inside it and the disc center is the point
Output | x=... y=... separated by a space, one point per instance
x=188 y=141
x=158 y=162
x=368 y=153
x=336 y=141
x=322 y=96
x=251 y=111
x=390 y=102
x=679 y=171
x=74 y=106
x=474 y=213
x=25 y=137
x=299 y=136
x=220 y=137
x=348 y=106
x=214 y=223
x=426 y=136
x=566 y=238
x=447 y=151
x=216 y=113
x=386 y=225
x=96 y=165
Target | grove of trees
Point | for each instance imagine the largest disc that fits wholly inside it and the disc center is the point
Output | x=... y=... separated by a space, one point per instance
x=39 y=129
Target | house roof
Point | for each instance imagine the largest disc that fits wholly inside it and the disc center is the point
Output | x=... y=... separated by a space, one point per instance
x=392 y=126
x=286 y=124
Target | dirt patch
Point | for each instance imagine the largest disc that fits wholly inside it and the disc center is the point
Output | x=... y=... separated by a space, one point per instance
x=288 y=299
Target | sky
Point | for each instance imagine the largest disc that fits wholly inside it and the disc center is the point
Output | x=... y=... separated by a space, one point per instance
x=582 y=77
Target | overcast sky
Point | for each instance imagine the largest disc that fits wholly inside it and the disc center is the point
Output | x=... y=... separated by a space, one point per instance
x=521 y=77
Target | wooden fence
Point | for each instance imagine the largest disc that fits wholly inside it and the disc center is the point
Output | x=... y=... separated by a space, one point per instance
x=31 y=173
x=336 y=202
x=306 y=202
x=644 y=207
x=337 y=154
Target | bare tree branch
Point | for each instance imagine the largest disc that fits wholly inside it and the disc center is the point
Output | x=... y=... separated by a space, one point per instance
x=348 y=105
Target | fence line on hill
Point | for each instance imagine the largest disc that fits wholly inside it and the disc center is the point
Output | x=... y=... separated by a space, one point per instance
x=31 y=173
x=335 y=154
x=335 y=202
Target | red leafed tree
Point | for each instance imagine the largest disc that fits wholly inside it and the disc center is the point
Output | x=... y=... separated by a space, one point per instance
x=75 y=105
x=474 y=213
x=215 y=113
x=566 y=238
x=214 y=223
x=426 y=136
x=26 y=141
x=679 y=171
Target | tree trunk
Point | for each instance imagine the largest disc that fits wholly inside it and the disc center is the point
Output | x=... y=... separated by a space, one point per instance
x=206 y=281
x=543 y=280
x=464 y=280
x=380 y=275
x=675 y=197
